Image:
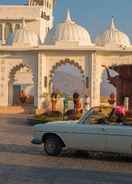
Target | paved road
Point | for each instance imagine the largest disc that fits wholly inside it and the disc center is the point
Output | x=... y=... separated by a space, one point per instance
x=23 y=163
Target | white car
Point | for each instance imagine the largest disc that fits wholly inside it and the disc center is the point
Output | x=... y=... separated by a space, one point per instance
x=93 y=132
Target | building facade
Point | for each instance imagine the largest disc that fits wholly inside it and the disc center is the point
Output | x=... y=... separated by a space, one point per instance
x=32 y=49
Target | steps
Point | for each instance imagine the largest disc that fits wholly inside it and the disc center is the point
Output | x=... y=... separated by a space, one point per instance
x=17 y=110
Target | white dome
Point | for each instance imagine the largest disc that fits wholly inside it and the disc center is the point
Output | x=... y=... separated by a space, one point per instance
x=23 y=37
x=113 y=37
x=68 y=32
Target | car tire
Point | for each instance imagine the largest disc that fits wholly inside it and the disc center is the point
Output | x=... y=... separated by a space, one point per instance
x=52 y=146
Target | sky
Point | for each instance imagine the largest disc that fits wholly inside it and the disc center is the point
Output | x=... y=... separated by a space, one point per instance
x=95 y=15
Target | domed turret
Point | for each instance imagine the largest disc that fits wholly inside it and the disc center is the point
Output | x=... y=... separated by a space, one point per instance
x=23 y=37
x=113 y=37
x=68 y=32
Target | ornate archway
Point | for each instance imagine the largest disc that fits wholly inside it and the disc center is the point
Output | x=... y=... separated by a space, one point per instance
x=15 y=69
x=63 y=63
x=15 y=86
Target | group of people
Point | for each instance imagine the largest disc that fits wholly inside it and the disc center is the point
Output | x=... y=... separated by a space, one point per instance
x=78 y=107
x=77 y=103
x=118 y=110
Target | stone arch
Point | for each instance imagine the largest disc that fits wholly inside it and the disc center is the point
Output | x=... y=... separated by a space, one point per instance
x=63 y=62
x=14 y=69
x=11 y=79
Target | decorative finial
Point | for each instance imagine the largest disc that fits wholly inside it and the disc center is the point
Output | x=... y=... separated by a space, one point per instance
x=68 y=16
x=113 y=23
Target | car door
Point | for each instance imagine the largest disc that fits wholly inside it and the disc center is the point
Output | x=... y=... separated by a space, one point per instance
x=88 y=134
x=119 y=138
x=89 y=137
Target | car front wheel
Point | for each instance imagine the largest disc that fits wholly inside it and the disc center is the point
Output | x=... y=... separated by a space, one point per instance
x=52 y=146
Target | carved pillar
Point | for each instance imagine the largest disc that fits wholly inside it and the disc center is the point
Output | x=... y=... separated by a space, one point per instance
x=3 y=34
x=38 y=83
x=3 y=84
x=13 y=27
x=87 y=76
x=45 y=79
x=94 y=81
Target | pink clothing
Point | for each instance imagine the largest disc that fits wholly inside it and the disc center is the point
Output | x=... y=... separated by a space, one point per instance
x=120 y=110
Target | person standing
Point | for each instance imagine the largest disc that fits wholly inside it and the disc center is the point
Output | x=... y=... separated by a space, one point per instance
x=118 y=113
x=22 y=97
x=53 y=101
x=78 y=107
x=112 y=100
x=65 y=103
x=86 y=103
x=75 y=100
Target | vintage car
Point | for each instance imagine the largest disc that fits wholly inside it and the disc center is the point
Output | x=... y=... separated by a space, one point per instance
x=93 y=132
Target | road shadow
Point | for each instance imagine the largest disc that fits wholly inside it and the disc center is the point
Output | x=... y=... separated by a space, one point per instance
x=44 y=175
x=67 y=153
x=19 y=120
x=21 y=149
x=96 y=156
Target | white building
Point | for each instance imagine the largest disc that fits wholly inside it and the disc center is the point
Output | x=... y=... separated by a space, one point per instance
x=32 y=48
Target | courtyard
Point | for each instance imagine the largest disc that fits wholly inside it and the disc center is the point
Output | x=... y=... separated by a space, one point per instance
x=23 y=163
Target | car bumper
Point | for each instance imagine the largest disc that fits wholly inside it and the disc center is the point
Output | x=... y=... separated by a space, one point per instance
x=36 y=141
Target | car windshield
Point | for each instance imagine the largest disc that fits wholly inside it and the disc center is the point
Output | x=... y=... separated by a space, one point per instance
x=86 y=114
x=95 y=114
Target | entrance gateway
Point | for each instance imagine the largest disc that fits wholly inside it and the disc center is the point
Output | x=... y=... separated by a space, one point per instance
x=21 y=86
x=35 y=41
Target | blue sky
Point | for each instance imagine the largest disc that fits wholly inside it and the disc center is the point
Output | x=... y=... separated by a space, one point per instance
x=95 y=15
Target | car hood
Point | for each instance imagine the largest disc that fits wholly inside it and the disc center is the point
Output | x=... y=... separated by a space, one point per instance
x=55 y=125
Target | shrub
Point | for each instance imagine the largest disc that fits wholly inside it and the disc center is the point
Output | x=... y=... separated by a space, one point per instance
x=49 y=117
x=53 y=114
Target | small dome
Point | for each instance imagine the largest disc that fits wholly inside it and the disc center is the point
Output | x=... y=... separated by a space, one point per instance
x=113 y=37
x=23 y=37
x=68 y=32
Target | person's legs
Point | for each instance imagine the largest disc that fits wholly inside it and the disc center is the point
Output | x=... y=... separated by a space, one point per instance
x=111 y=114
x=120 y=118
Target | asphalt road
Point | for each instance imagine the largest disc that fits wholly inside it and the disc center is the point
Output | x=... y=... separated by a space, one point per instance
x=23 y=163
